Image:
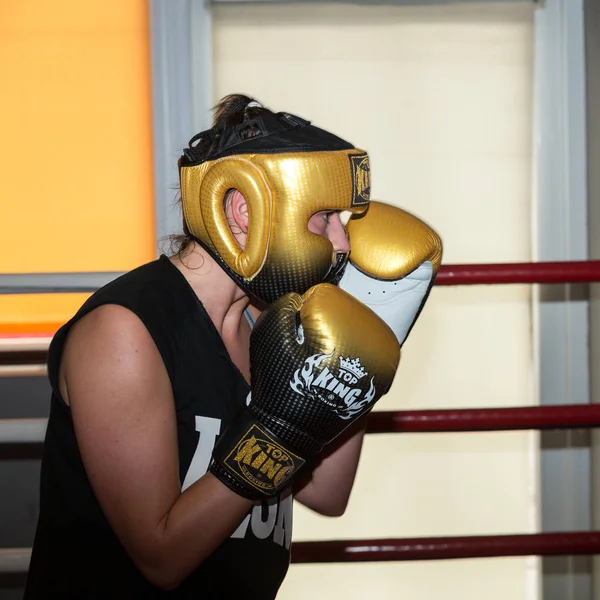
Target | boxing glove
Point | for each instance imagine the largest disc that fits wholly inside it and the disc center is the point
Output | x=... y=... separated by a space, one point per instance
x=394 y=258
x=317 y=362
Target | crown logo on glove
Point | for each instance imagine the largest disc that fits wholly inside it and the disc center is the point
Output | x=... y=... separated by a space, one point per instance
x=352 y=366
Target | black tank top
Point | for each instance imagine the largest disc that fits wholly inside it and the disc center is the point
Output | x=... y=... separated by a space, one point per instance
x=75 y=552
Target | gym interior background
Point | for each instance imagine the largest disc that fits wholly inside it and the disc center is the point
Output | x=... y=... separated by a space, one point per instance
x=480 y=117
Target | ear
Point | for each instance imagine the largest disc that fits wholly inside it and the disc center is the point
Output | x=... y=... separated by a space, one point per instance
x=239 y=211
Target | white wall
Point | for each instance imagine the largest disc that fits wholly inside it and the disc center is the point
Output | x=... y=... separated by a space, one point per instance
x=440 y=96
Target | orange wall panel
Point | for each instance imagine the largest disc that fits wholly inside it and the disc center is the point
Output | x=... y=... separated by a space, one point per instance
x=75 y=116
x=76 y=188
x=34 y=314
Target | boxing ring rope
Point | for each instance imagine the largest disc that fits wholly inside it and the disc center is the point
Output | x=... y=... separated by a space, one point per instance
x=569 y=416
x=20 y=360
x=14 y=560
x=23 y=358
x=444 y=548
x=22 y=370
x=20 y=352
x=409 y=549
x=584 y=271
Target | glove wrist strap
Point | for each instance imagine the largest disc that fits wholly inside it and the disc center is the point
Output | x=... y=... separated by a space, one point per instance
x=252 y=461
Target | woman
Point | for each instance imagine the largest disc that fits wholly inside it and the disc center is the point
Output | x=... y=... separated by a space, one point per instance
x=145 y=377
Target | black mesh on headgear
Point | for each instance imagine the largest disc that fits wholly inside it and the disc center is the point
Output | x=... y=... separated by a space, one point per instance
x=273 y=134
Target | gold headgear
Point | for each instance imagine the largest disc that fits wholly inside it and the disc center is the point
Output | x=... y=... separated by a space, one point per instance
x=286 y=173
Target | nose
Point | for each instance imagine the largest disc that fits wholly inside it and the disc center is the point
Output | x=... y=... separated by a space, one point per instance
x=337 y=234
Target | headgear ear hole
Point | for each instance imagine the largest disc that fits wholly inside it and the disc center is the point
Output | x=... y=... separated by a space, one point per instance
x=242 y=175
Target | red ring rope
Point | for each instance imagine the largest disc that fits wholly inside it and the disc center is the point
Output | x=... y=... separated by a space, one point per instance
x=485 y=419
x=539 y=544
x=540 y=272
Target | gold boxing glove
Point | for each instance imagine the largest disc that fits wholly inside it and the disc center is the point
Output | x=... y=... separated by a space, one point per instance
x=394 y=258
x=318 y=362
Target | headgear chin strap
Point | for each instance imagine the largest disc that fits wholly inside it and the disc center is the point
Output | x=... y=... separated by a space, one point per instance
x=287 y=172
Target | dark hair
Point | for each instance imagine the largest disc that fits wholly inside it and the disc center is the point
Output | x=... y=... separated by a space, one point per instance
x=230 y=111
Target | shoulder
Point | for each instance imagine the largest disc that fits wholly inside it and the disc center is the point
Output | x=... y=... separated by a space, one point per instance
x=107 y=325
x=108 y=329
x=108 y=345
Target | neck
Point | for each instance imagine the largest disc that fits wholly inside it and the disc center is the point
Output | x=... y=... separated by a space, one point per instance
x=222 y=298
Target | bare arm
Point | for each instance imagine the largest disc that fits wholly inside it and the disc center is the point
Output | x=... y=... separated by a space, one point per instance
x=124 y=417
x=326 y=489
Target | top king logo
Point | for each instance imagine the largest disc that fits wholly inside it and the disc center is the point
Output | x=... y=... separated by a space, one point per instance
x=361 y=179
x=337 y=390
